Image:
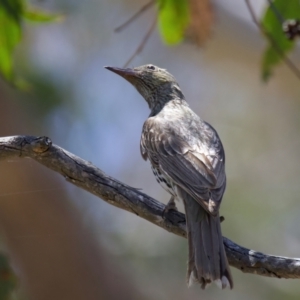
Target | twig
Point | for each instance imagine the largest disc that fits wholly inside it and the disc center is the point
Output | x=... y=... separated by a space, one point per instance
x=286 y=60
x=84 y=175
x=143 y=43
x=136 y=15
x=290 y=27
x=276 y=12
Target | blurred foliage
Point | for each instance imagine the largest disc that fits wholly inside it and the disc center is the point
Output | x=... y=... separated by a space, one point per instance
x=10 y=34
x=36 y=15
x=12 y=12
x=273 y=25
x=44 y=89
x=173 y=19
x=8 y=280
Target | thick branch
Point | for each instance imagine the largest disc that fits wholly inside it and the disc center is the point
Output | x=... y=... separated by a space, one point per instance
x=84 y=175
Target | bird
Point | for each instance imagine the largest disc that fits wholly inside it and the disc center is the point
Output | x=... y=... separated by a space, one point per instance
x=188 y=160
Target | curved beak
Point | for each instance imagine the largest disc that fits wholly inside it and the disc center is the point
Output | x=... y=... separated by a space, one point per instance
x=125 y=73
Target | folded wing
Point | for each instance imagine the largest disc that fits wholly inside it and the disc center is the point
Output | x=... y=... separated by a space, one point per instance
x=192 y=162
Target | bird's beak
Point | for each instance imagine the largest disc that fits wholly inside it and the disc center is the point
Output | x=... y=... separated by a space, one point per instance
x=125 y=73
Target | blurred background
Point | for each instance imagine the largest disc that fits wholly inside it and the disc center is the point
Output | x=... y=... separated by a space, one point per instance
x=64 y=243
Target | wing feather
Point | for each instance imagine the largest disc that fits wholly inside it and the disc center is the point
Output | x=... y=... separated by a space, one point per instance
x=189 y=164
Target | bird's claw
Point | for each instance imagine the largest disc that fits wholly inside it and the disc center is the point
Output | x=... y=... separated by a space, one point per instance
x=170 y=206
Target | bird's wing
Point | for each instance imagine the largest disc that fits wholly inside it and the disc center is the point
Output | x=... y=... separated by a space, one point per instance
x=191 y=166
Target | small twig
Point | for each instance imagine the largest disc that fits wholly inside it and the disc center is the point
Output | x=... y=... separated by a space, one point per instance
x=136 y=15
x=143 y=43
x=276 y=12
x=290 y=27
x=286 y=60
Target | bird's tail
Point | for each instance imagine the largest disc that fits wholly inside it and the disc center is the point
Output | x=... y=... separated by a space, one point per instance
x=207 y=258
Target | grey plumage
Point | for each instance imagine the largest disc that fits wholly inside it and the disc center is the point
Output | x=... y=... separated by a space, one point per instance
x=188 y=159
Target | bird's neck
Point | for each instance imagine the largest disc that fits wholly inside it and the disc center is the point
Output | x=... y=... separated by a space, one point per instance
x=163 y=95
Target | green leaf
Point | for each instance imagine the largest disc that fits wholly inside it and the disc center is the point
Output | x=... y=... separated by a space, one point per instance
x=36 y=15
x=10 y=34
x=289 y=10
x=173 y=18
x=12 y=12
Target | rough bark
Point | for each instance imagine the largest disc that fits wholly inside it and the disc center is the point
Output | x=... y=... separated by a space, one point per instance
x=84 y=175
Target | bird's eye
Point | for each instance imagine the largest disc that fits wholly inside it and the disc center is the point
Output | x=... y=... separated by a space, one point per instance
x=151 y=67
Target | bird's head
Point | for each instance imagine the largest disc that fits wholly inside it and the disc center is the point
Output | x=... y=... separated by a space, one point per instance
x=156 y=85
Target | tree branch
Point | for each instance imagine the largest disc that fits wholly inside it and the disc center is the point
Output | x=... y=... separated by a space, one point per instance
x=84 y=175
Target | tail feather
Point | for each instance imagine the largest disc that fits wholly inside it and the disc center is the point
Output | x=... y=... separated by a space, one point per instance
x=207 y=258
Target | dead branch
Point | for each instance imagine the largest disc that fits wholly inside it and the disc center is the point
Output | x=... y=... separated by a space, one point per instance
x=84 y=175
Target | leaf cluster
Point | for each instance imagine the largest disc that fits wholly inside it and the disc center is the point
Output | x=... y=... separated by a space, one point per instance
x=272 y=21
x=174 y=17
x=12 y=15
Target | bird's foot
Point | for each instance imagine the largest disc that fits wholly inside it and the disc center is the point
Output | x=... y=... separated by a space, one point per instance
x=171 y=205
